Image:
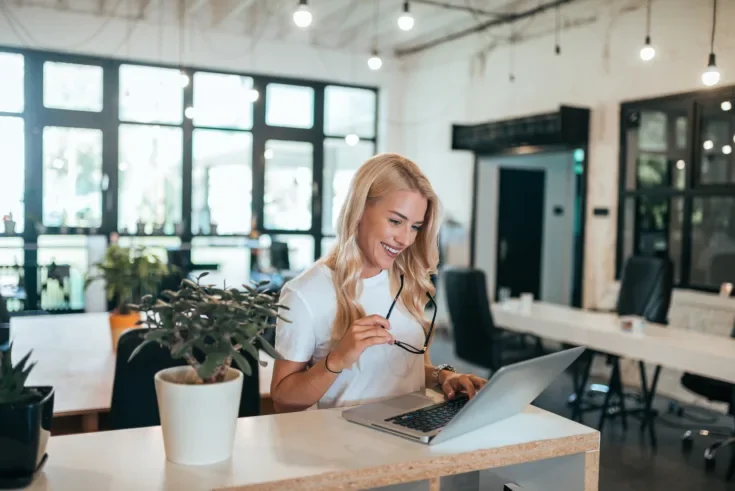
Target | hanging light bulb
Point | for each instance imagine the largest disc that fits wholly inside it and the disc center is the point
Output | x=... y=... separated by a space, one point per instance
x=405 y=21
x=302 y=15
x=727 y=149
x=711 y=76
x=352 y=139
x=183 y=79
x=726 y=105
x=647 y=51
x=189 y=112
x=253 y=95
x=374 y=62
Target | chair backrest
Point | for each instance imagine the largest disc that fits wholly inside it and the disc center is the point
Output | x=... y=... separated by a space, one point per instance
x=4 y=335
x=645 y=288
x=134 y=403
x=4 y=316
x=469 y=311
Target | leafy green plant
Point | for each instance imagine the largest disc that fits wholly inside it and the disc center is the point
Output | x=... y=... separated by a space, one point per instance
x=129 y=273
x=215 y=323
x=13 y=378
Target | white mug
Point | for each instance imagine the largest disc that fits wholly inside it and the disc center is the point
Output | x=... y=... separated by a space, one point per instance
x=526 y=302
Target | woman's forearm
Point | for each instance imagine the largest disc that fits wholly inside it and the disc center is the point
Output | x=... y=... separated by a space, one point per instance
x=301 y=390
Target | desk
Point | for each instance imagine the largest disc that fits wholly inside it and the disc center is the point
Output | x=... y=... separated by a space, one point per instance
x=74 y=355
x=319 y=450
x=688 y=351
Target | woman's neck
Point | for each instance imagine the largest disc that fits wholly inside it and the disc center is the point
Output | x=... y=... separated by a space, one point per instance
x=370 y=271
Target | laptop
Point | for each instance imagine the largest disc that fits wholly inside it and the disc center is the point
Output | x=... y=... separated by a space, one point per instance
x=418 y=417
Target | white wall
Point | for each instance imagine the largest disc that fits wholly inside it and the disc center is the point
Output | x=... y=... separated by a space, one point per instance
x=557 y=257
x=58 y=30
x=467 y=81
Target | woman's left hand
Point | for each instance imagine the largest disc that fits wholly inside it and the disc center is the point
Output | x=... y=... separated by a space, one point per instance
x=455 y=383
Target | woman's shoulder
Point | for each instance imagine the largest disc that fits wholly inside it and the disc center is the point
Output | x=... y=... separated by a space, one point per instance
x=314 y=280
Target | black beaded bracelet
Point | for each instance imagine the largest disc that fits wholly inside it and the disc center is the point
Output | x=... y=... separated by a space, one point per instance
x=326 y=364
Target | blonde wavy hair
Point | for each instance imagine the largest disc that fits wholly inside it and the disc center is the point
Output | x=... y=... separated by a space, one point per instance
x=377 y=177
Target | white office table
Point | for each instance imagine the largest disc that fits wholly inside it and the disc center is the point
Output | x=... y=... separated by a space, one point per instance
x=319 y=450
x=74 y=355
x=688 y=351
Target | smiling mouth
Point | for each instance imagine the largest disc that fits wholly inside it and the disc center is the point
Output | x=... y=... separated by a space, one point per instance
x=392 y=252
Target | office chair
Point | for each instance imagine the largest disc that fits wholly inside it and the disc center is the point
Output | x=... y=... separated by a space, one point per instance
x=134 y=403
x=477 y=339
x=4 y=315
x=716 y=391
x=4 y=335
x=646 y=284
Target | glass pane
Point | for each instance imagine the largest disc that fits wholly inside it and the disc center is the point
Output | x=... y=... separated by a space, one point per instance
x=283 y=253
x=713 y=241
x=222 y=182
x=71 y=86
x=150 y=175
x=717 y=140
x=341 y=161
x=288 y=184
x=658 y=228
x=12 y=281
x=289 y=105
x=652 y=132
x=11 y=83
x=652 y=170
x=63 y=262
x=230 y=255
x=72 y=177
x=157 y=246
x=151 y=95
x=348 y=110
x=327 y=243
x=223 y=100
x=12 y=170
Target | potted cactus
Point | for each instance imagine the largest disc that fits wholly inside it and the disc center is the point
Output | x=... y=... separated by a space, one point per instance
x=128 y=273
x=211 y=328
x=25 y=421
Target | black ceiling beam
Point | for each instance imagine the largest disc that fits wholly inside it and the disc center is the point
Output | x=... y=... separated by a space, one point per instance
x=510 y=17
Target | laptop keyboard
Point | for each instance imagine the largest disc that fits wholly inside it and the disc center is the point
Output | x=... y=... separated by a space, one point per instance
x=432 y=417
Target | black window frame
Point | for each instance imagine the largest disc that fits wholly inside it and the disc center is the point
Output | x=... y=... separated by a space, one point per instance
x=36 y=116
x=693 y=102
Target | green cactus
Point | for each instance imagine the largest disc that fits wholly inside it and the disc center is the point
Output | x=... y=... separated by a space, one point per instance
x=13 y=378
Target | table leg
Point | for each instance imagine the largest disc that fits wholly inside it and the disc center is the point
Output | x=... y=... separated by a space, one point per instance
x=586 y=365
x=648 y=394
x=591 y=471
x=605 y=405
x=90 y=422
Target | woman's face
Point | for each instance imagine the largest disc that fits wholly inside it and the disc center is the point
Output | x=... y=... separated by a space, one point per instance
x=388 y=226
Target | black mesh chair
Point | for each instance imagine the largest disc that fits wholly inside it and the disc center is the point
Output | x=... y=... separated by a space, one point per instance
x=715 y=391
x=4 y=315
x=646 y=284
x=134 y=403
x=477 y=339
x=4 y=335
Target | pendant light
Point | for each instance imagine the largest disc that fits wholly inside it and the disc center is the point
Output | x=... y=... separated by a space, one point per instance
x=405 y=21
x=647 y=51
x=711 y=76
x=302 y=15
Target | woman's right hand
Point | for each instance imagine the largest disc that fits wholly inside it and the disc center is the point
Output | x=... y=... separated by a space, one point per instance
x=363 y=333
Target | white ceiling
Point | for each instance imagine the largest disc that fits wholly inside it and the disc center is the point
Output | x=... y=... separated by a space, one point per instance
x=338 y=24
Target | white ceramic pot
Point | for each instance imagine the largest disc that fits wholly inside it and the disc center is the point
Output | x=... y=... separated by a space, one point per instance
x=198 y=421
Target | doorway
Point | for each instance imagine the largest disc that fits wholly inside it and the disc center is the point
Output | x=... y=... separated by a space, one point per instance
x=527 y=233
x=521 y=198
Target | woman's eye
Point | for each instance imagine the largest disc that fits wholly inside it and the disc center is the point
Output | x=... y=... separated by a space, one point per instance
x=417 y=227
x=393 y=221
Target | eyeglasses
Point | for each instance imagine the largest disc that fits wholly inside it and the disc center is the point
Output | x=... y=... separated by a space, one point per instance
x=406 y=346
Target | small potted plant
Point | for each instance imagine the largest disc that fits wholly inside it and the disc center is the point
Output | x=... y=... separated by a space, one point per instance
x=9 y=224
x=211 y=328
x=25 y=421
x=129 y=273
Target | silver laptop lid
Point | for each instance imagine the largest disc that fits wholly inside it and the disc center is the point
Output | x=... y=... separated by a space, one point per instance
x=508 y=392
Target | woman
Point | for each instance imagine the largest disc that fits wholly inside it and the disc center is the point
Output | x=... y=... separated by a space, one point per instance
x=357 y=332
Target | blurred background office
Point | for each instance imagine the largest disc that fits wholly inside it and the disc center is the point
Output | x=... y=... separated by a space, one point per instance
x=563 y=137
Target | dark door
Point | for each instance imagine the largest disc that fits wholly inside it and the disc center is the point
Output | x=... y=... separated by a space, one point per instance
x=520 y=230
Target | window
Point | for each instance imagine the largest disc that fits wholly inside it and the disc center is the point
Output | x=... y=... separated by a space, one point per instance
x=149 y=179
x=12 y=287
x=224 y=101
x=288 y=185
x=289 y=105
x=12 y=183
x=72 y=86
x=62 y=264
x=222 y=182
x=72 y=177
x=677 y=192
x=11 y=83
x=227 y=259
x=151 y=95
x=341 y=161
x=348 y=110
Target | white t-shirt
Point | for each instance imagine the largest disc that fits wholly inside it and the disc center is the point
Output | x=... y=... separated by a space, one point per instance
x=382 y=370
